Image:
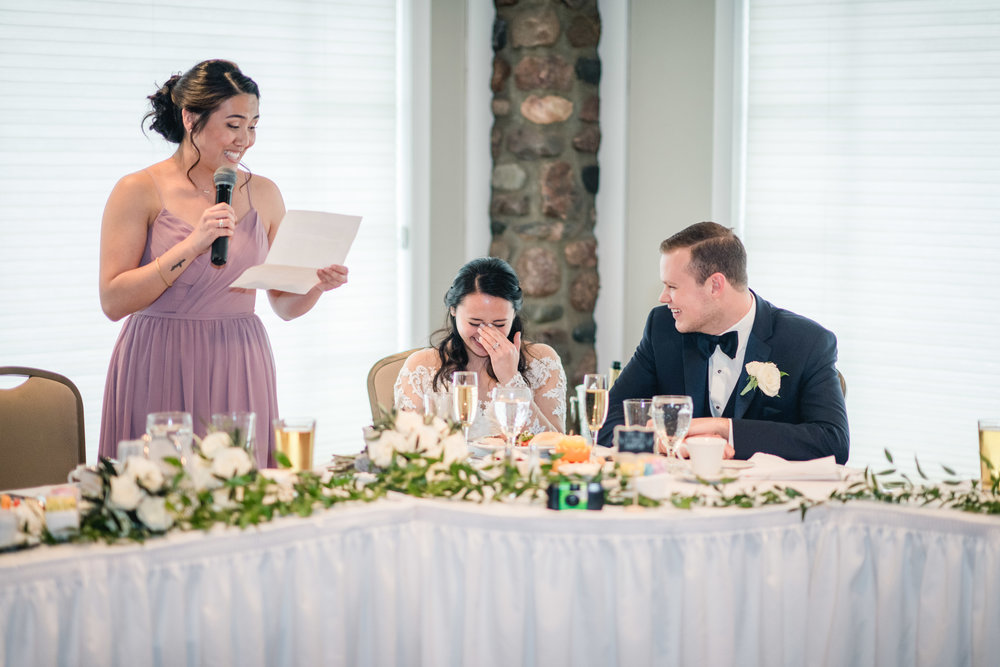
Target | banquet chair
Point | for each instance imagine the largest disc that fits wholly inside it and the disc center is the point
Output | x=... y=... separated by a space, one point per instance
x=381 y=378
x=41 y=429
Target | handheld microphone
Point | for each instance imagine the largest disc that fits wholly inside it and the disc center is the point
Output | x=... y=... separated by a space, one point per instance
x=225 y=181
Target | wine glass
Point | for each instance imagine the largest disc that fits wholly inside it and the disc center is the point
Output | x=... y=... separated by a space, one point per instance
x=170 y=435
x=672 y=419
x=512 y=407
x=465 y=394
x=595 y=402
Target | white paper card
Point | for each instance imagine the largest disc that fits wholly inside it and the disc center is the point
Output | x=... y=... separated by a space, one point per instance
x=306 y=241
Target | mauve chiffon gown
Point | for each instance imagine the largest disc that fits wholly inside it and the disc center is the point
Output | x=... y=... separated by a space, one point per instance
x=198 y=348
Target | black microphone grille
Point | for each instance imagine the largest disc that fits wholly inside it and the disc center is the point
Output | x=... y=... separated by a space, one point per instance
x=225 y=176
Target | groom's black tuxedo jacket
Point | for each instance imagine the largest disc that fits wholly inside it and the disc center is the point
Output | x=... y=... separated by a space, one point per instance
x=808 y=418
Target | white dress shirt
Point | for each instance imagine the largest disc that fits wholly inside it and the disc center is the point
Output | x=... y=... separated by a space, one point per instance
x=723 y=372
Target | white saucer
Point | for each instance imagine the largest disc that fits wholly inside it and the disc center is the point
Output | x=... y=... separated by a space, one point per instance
x=736 y=464
x=689 y=476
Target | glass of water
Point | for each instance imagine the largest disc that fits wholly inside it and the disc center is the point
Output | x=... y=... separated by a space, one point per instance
x=170 y=434
x=671 y=419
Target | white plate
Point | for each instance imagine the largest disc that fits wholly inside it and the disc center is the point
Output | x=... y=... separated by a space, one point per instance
x=736 y=464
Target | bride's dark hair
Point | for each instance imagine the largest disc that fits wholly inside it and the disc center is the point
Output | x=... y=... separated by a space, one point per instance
x=486 y=275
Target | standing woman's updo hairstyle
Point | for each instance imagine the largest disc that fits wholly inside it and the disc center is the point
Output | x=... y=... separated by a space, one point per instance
x=200 y=90
x=487 y=275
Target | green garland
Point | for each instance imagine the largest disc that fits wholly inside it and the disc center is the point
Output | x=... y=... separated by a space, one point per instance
x=255 y=498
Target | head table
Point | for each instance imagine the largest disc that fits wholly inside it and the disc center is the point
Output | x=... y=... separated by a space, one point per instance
x=404 y=581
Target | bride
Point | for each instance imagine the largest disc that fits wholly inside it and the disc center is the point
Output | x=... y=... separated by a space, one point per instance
x=483 y=334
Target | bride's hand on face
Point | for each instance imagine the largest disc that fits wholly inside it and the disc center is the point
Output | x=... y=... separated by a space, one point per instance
x=504 y=354
x=218 y=220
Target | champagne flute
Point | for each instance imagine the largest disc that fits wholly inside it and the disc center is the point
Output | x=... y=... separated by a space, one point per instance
x=465 y=394
x=595 y=399
x=672 y=419
x=512 y=407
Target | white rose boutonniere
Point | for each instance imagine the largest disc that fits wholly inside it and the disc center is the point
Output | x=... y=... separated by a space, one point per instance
x=764 y=375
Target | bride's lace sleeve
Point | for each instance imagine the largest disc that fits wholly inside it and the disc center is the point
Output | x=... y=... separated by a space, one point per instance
x=547 y=380
x=413 y=381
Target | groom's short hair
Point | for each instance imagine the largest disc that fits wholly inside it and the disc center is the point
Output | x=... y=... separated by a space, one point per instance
x=714 y=249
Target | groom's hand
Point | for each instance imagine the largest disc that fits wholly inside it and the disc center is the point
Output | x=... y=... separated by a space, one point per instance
x=713 y=426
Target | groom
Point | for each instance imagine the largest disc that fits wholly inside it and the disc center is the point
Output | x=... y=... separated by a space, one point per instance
x=699 y=343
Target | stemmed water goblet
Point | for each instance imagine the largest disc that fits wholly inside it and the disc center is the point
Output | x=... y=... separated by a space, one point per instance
x=511 y=407
x=465 y=394
x=671 y=419
x=595 y=399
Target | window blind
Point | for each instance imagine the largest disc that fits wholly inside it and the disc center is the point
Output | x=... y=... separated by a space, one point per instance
x=872 y=205
x=74 y=76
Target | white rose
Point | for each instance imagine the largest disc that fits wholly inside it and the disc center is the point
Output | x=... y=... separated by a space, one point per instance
x=440 y=425
x=402 y=443
x=146 y=473
x=380 y=450
x=91 y=485
x=125 y=493
x=429 y=441
x=768 y=376
x=454 y=448
x=213 y=443
x=407 y=422
x=199 y=472
x=221 y=499
x=231 y=462
x=152 y=511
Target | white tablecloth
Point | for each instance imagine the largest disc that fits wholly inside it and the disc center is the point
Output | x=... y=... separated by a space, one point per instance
x=412 y=582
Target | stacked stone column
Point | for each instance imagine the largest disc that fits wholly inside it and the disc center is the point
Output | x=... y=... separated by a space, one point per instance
x=545 y=138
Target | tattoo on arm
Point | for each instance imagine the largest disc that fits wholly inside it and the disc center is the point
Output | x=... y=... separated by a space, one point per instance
x=177 y=265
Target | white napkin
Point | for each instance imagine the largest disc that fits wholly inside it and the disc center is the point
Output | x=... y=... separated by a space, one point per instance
x=769 y=466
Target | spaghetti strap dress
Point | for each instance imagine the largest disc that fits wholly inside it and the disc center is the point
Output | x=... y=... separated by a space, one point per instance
x=198 y=348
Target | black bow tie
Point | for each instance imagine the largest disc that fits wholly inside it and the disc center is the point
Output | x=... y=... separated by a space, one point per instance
x=728 y=341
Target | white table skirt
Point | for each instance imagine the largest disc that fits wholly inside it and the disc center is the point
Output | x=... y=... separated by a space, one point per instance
x=412 y=582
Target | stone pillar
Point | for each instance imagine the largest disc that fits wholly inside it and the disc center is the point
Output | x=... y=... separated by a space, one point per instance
x=544 y=144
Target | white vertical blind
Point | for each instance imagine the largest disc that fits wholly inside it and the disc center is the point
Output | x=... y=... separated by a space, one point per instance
x=873 y=206
x=74 y=76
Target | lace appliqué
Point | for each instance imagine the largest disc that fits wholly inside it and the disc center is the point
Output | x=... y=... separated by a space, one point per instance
x=418 y=381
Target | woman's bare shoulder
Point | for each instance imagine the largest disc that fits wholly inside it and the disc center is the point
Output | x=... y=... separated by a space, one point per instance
x=541 y=351
x=427 y=357
x=135 y=192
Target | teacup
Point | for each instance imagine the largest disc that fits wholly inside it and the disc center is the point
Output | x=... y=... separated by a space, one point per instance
x=706 y=454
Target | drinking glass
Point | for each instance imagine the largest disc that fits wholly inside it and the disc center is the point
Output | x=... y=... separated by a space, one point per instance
x=465 y=393
x=294 y=438
x=595 y=402
x=511 y=407
x=637 y=411
x=170 y=434
x=631 y=465
x=989 y=449
x=438 y=404
x=672 y=419
x=241 y=427
x=138 y=447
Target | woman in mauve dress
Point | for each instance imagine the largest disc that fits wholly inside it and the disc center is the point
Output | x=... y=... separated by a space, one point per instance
x=191 y=342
